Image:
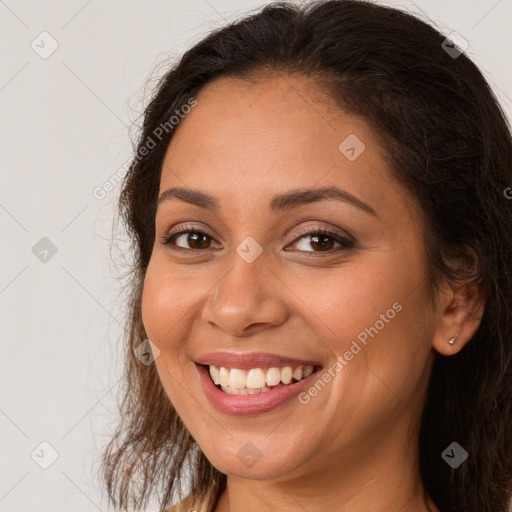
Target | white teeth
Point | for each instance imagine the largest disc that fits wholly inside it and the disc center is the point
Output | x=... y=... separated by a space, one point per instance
x=273 y=376
x=286 y=375
x=256 y=380
x=308 y=370
x=223 y=376
x=230 y=391
x=234 y=391
x=215 y=373
x=237 y=378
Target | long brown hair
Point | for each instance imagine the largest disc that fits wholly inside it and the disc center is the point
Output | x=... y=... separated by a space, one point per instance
x=448 y=142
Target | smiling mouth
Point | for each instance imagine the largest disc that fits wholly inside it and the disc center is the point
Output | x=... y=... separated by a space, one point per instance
x=254 y=381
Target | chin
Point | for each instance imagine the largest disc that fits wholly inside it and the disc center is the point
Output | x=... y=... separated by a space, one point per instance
x=256 y=459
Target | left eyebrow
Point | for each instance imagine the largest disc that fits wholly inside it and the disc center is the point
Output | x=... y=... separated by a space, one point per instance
x=287 y=201
x=299 y=197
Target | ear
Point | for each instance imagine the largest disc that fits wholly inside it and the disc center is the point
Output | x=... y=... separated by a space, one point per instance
x=460 y=311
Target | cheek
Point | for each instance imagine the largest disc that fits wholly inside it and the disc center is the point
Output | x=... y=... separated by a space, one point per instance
x=375 y=314
x=156 y=308
x=380 y=348
x=163 y=306
x=344 y=302
x=163 y=311
x=171 y=303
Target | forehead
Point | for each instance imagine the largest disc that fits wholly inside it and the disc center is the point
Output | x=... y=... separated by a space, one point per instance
x=264 y=136
x=268 y=117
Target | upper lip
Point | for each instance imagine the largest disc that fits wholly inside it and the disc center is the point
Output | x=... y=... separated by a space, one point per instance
x=248 y=360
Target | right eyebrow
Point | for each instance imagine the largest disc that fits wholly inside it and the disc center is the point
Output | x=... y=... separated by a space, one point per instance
x=195 y=197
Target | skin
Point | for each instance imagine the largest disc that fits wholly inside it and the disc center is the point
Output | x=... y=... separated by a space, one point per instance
x=353 y=446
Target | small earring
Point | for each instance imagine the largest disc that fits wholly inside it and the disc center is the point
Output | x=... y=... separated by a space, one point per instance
x=451 y=341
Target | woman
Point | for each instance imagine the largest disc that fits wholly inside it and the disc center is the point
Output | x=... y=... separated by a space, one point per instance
x=323 y=266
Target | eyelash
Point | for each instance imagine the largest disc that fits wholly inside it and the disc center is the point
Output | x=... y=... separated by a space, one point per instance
x=345 y=242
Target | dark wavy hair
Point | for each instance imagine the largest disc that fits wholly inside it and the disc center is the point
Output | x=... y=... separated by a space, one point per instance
x=447 y=141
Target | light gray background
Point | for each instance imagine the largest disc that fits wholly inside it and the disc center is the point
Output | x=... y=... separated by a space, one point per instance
x=64 y=125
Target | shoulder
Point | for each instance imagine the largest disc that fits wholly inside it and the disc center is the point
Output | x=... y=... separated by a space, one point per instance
x=185 y=505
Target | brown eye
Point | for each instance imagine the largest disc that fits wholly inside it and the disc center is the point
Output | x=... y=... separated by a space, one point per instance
x=198 y=241
x=322 y=241
x=189 y=240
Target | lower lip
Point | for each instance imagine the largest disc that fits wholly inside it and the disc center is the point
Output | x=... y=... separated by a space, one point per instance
x=242 y=405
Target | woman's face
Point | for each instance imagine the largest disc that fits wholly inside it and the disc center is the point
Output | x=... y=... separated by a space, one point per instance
x=254 y=173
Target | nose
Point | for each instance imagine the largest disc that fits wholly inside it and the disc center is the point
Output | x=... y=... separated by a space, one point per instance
x=248 y=299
